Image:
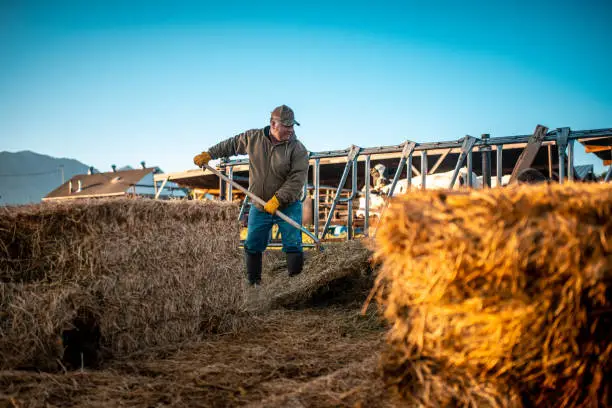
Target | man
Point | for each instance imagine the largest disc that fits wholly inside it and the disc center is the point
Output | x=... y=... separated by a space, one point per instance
x=278 y=171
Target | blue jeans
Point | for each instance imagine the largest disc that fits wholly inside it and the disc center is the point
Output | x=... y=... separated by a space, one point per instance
x=260 y=226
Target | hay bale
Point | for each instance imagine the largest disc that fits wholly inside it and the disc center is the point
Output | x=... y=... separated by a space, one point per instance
x=424 y=382
x=34 y=316
x=510 y=287
x=154 y=272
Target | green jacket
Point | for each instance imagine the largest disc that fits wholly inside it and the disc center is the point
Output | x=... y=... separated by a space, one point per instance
x=275 y=169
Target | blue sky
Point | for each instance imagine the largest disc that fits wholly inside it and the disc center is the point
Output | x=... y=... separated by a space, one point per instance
x=117 y=82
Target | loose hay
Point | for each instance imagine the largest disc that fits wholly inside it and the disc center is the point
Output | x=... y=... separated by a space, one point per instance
x=341 y=272
x=146 y=272
x=323 y=357
x=424 y=382
x=356 y=385
x=508 y=291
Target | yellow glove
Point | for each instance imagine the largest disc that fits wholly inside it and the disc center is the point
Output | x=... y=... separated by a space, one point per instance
x=272 y=205
x=202 y=159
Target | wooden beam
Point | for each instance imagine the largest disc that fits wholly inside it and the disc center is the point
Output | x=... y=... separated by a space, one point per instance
x=197 y=173
x=593 y=149
x=550 y=163
x=590 y=139
x=510 y=146
x=439 y=161
x=529 y=153
x=76 y=197
x=159 y=190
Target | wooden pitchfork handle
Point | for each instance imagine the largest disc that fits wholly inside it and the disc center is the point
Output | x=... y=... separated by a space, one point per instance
x=262 y=203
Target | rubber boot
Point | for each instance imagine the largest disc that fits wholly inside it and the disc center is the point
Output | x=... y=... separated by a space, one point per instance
x=295 y=263
x=253 y=266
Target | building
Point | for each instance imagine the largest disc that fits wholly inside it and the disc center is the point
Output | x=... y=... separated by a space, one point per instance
x=125 y=182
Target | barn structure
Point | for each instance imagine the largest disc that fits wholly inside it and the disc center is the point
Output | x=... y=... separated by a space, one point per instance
x=338 y=178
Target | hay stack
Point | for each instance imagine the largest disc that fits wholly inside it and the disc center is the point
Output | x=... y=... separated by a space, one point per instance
x=33 y=319
x=135 y=273
x=502 y=293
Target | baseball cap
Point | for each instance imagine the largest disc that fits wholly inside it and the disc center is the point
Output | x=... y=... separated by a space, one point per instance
x=285 y=115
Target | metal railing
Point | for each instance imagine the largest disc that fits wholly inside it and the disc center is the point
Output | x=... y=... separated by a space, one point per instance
x=563 y=138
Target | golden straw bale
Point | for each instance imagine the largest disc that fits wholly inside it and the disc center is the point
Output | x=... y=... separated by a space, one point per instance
x=157 y=271
x=424 y=382
x=509 y=286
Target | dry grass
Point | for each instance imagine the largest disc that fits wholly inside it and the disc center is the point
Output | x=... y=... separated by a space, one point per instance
x=315 y=358
x=498 y=299
x=160 y=286
x=425 y=382
x=507 y=291
x=114 y=276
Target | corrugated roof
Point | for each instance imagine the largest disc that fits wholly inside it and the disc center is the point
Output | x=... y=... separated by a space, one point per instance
x=99 y=184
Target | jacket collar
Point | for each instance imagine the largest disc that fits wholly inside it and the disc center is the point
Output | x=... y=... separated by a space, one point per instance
x=267 y=133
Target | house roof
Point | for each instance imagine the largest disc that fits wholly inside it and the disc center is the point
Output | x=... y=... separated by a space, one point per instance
x=114 y=183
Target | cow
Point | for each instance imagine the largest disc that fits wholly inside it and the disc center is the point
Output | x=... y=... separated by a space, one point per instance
x=437 y=181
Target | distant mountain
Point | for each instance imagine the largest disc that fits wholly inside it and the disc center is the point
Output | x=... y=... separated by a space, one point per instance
x=26 y=177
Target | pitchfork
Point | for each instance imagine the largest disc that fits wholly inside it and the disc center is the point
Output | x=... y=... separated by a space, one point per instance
x=262 y=202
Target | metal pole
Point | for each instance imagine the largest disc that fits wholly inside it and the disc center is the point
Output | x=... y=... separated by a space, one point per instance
x=366 y=223
x=349 y=200
x=550 y=165
x=221 y=189
x=466 y=147
x=561 y=166
x=243 y=207
x=570 y=160
x=317 y=182
x=230 y=191
x=470 y=167
x=608 y=174
x=262 y=202
x=562 y=139
x=349 y=217
x=499 y=172
x=424 y=169
x=485 y=151
x=352 y=155
x=406 y=152
x=409 y=173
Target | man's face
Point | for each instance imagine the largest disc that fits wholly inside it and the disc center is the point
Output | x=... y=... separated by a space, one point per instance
x=279 y=131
